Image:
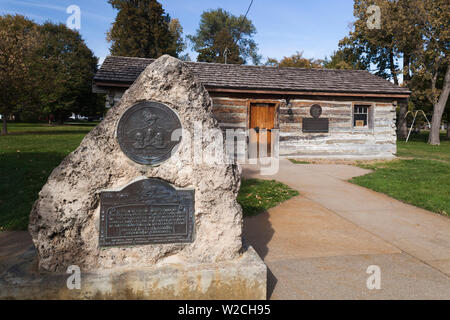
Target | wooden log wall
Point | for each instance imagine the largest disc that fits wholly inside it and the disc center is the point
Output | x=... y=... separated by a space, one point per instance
x=343 y=140
x=231 y=113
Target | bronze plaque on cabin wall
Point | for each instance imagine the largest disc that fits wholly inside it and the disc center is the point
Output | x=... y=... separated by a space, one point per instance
x=145 y=132
x=315 y=111
x=315 y=124
x=149 y=211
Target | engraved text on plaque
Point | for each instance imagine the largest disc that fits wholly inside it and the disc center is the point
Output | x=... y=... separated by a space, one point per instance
x=148 y=211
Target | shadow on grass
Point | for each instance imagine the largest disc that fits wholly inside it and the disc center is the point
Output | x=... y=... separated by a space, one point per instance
x=423 y=137
x=22 y=177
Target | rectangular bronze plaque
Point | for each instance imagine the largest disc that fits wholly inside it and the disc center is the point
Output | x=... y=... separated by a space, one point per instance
x=315 y=125
x=148 y=211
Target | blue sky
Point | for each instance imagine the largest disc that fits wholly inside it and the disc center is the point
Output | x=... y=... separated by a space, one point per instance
x=283 y=26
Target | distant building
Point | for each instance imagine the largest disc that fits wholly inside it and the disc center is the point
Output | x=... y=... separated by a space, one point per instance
x=320 y=113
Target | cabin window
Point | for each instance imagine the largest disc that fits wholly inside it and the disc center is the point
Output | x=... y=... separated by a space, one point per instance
x=362 y=116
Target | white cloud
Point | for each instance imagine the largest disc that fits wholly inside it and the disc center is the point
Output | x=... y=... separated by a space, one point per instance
x=29 y=15
x=40 y=5
x=88 y=14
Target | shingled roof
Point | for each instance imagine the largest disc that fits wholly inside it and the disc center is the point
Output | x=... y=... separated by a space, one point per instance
x=125 y=70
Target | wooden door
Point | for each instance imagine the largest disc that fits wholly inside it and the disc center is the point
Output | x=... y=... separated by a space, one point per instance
x=262 y=119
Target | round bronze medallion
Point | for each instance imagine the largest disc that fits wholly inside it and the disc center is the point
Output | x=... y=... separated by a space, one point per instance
x=315 y=111
x=145 y=132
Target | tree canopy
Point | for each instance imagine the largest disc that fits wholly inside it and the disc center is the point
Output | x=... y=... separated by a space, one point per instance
x=45 y=70
x=343 y=58
x=296 y=60
x=411 y=32
x=143 y=29
x=18 y=40
x=347 y=57
x=431 y=61
x=63 y=70
x=221 y=34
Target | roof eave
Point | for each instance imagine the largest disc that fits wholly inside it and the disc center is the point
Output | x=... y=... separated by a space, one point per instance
x=109 y=83
x=400 y=94
x=218 y=89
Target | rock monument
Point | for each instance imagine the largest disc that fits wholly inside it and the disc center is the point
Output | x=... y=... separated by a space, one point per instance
x=135 y=209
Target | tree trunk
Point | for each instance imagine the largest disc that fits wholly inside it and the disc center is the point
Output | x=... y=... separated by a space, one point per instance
x=5 y=125
x=448 y=124
x=392 y=67
x=406 y=65
x=402 y=128
x=438 y=110
x=60 y=118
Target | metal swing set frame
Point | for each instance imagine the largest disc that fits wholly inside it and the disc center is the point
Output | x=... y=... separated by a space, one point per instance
x=414 y=120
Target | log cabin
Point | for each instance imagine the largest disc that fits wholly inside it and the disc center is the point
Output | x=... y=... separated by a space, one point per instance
x=320 y=113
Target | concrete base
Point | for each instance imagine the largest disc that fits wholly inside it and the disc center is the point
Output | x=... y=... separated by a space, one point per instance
x=243 y=279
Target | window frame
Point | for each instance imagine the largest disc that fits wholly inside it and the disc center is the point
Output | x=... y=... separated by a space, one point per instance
x=370 y=116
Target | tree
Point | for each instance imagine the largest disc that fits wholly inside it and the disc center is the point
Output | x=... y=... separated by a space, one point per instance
x=17 y=42
x=178 y=43
x=413 y=31
x=271 y=62
x=221 y=32
x=347 y=57
x=297 y=61
x=143 y=29
x=432 y=60
x=62 y=72
x=398 y=38
x=223 y=50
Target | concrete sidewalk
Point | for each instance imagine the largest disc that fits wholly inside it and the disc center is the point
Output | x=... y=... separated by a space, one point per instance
x=320 y=244
x=13 y=244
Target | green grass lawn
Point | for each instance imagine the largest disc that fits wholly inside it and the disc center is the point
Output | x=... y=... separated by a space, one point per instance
x=418 y=148
x=257 y=196
x=30 y=153
x=27 y=157
x=421 y=175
